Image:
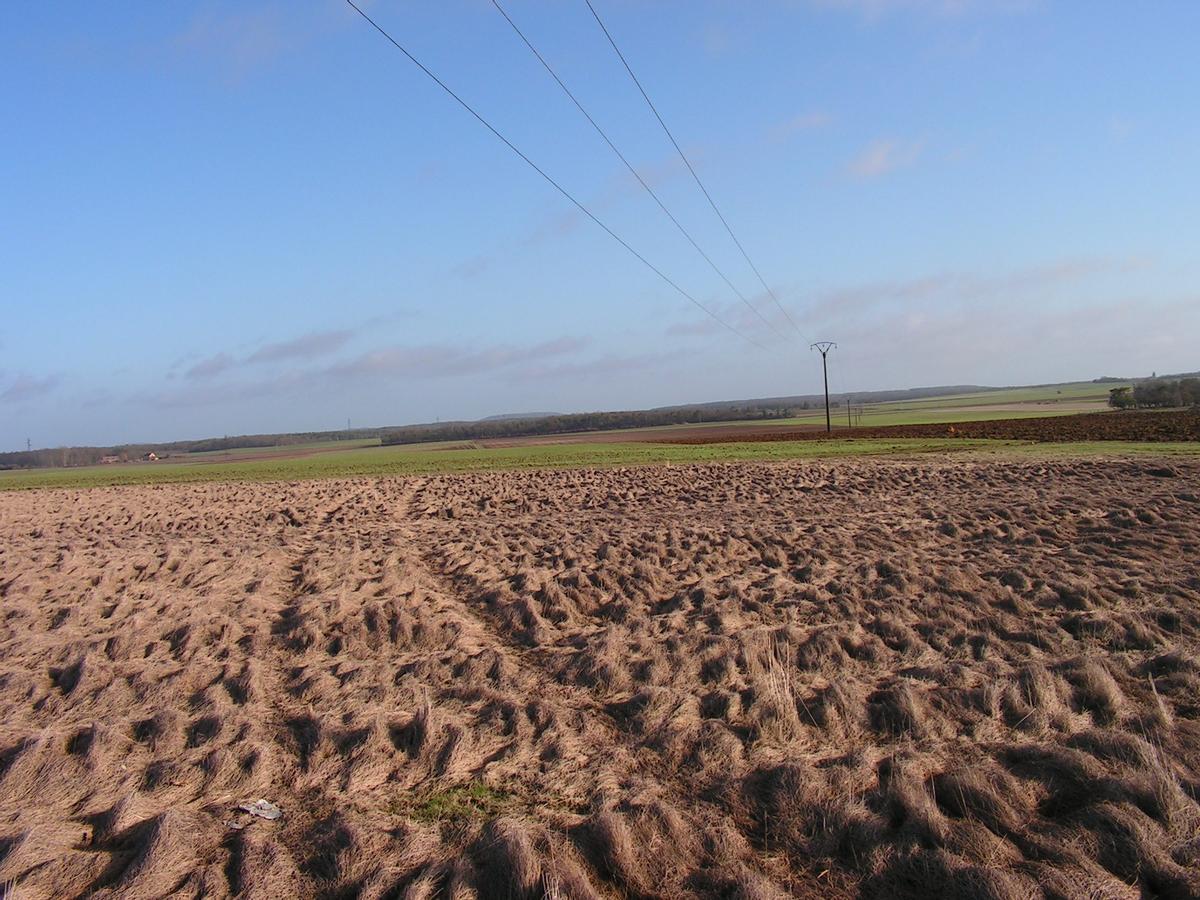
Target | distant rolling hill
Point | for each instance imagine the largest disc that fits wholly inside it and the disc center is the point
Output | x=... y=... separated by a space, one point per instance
x=518 y=417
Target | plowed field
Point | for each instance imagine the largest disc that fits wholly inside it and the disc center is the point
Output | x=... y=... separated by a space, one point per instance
x=862 y=678
x=1124 y=426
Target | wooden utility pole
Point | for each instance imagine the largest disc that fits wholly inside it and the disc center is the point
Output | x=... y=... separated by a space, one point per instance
x=823 y=347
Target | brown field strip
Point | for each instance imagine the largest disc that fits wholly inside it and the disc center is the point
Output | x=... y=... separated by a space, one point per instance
x=1107 y=426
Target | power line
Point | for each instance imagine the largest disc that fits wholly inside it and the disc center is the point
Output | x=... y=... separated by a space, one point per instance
x=632 y=170
x=687 y=163
x=558 y=187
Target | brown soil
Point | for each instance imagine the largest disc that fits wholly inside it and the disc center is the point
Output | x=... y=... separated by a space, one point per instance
x=663 y=435
x=1124 y=426
x=864 y=678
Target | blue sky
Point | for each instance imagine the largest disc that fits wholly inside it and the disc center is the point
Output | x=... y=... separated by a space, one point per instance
x=223 y=218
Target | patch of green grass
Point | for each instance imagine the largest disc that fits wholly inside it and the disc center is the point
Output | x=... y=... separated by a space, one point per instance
x=393 y=461
x=1182 y=449
x=406 y=460
x=461 y=803
x=1051 y=393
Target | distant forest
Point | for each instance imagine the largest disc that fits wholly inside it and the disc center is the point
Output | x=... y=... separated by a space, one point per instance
x=57 y=457
x=1157 y=393
x=562 y=424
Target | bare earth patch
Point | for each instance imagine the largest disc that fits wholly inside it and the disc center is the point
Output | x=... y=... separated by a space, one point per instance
x=1130 y=425
x=863 y=678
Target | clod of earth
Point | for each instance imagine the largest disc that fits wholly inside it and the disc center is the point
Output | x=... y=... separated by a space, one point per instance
x=264 y=809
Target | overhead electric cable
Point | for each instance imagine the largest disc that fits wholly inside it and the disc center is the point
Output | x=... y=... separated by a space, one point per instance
x=687 y=163
x=558 y=187
x=621 y=156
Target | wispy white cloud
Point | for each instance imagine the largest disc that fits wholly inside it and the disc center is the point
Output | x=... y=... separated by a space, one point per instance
x=605 y=366
x=566 y=219
x=412 y=362
x=1121 y=127
x=1130 y=336
x=717 y=39
x=470 y=268
x=235 y=41
x=777 y=327
x=211 y=366
x=812 y=120
x=29 y=387
x=1060 y=319
x=961 y=287
x=446 y=360
x=883 y=156
x=860 y=305
x=306 y=346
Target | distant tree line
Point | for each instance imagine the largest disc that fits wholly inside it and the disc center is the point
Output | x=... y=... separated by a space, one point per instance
x=62 y=457
x=1156 y=393
x=57 y=457
x=247 y=441
x=563 y=424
